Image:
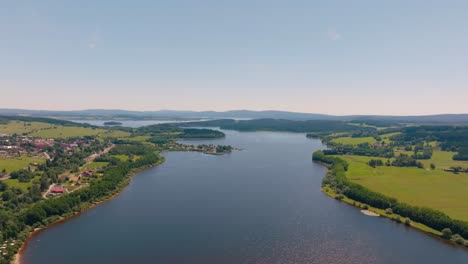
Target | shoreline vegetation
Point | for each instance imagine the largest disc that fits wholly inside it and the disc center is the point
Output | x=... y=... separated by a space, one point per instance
x=337 y=186
x=140 y=148
x=79 y=170
x=84 y=209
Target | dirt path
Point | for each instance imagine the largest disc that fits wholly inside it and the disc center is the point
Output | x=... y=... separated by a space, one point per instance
x=94 y=156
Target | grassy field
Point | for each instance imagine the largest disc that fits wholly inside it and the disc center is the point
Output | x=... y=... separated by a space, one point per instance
x=15 y=164
x=94 y=165
x=121 y=157
x=114 y=134
x=436 y=189
x=21 y=185
x=139 y=138
x=443 y=159
x=354 y=141
x=67 y=132
x=19 y=127
x=386 y=137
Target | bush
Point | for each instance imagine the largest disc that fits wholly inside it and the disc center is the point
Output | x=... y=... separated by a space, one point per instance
x=365 y=207
x=446 y=233
x=407 y=221
x=339 y=197
x=458 y=239
x=389 y=211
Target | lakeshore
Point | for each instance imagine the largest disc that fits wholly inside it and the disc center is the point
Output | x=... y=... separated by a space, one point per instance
x=84 y=208
x=208 y=207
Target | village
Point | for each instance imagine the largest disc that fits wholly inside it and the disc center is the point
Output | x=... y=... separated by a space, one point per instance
x=12 y=146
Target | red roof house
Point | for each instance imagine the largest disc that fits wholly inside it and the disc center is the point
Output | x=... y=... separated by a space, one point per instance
x=57 y=189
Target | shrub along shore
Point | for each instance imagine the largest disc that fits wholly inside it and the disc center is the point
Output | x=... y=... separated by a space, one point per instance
x=336 y=185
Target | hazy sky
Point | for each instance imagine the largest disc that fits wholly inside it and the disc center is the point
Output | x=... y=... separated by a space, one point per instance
x=334 y=57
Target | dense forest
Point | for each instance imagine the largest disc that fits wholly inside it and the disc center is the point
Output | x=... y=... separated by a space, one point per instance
x=281 y=125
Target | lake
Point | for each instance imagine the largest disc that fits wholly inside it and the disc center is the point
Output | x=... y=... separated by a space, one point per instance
x=260 y=205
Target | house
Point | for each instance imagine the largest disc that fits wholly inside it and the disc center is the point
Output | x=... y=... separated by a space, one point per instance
x=87 y=173
x=57 y=189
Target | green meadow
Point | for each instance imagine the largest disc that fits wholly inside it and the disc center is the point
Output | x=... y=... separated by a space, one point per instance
x=20 y=127
x=67 y=132
x=14 y=164
x=438 y=189
x=94 y=165
x=354 y=141
x=21 y=185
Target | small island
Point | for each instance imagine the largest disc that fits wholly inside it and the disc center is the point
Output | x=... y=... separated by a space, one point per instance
x=112 y=123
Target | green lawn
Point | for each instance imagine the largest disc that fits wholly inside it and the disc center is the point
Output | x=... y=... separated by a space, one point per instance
x=18 y=163
x=121 y=157
x=354 y=141
x=21 y=185
x=95 y=164
x=386 y=137
x=114 y=134
x=20 y=127
x=436 y=189
x=67 y=132
x=139 y=138
x=443 y=159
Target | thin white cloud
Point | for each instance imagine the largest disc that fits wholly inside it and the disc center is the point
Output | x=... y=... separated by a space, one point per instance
x=333 y=34
x=94 y=40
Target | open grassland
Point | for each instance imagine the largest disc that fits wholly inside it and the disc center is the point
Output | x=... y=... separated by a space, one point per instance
x=444 y=191
x=121 y=157
x=386 y=137
x=443 y=160
x=114 y=134
x=139 y=138
x=21 y=185
x=67 y=132
x=14 y=164
x=20 y=127
x=45 y=130
x=94 y=165
x=354 y=141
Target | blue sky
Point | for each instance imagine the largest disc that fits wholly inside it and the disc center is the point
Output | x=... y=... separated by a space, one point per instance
x=334 y=57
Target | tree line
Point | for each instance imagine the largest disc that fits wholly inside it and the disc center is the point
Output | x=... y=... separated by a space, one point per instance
x=336 y=179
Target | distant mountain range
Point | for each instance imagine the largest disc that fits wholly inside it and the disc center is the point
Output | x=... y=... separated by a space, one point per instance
x=248 y=114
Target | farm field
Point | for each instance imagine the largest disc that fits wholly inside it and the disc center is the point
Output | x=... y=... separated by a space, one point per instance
x=443 y=160
x=21 y=185
x=139 y=138
x=386 y=137
x=94 y=165
x=18 y=163
x=354 y=141
x=121 y=157
x=438 y=189
x=114 y=134
x=67 y=132
x=20 y=127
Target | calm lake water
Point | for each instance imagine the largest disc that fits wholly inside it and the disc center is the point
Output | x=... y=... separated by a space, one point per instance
x=260 y=205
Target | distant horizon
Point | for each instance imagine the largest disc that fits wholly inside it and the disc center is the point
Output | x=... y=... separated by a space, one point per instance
x=216 y=111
